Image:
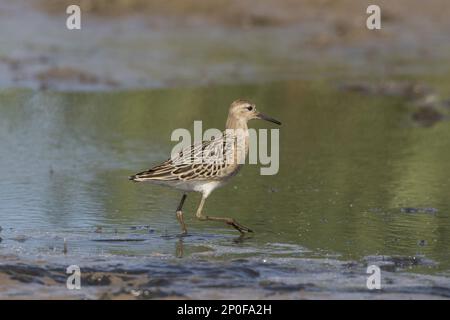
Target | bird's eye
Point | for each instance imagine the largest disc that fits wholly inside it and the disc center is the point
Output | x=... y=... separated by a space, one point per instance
x=249 y=108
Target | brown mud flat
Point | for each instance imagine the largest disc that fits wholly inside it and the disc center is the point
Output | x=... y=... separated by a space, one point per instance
x=235 y=279
x=147 y=44
x=255 y=13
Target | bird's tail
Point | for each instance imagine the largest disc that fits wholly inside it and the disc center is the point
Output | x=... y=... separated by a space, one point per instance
x=158 y=173
x=138 y=177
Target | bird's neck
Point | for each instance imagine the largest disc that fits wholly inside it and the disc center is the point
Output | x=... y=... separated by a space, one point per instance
x=240 y=132
x=235 y=123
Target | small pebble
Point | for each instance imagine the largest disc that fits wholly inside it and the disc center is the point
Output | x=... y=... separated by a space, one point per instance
x=422 y=243
x=139 y=227
x=418 y=210
x=427 y=116
x=20 y=238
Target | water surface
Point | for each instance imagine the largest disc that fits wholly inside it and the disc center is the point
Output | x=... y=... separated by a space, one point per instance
x=358 y=180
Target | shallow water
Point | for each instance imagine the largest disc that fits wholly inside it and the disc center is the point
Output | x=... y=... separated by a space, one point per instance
x=358 y=180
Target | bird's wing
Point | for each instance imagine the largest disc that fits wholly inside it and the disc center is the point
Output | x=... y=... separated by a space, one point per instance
x=200 y=161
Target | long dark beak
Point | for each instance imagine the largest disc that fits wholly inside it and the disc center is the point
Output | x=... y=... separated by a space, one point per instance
x=267 y=118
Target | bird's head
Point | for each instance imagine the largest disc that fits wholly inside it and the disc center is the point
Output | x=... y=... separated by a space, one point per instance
x=245 y=110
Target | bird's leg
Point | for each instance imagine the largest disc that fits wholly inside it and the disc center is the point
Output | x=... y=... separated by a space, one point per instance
x=179 y=248
x=229 y=221
x=180 y=215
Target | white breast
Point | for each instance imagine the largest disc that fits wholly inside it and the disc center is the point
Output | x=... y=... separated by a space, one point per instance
x=207 y=187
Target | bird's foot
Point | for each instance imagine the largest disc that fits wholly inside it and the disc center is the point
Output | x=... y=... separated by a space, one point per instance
x=183 y=234
x=239 y=227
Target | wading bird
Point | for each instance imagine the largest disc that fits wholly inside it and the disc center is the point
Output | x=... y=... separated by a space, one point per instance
x=207 y=165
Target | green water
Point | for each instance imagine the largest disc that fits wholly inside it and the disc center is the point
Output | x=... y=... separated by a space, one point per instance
x=349 y=163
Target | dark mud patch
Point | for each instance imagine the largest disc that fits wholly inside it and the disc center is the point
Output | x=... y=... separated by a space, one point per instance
x=283 y=287
x=56 y=76
x=413 y=210
x=403 y=89
x=27 y=274
x=230 y=13
x=399 y=263
x=427 y=116
x=97 y=279
x=119 y=240
x=425 y=105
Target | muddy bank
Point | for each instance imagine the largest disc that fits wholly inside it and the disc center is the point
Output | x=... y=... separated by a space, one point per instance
x=147 y=44
x=255 y=13
x=197 y=278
